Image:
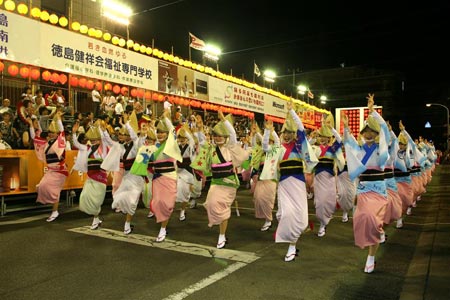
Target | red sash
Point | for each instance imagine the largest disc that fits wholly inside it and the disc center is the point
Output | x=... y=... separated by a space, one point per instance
x=289 y=147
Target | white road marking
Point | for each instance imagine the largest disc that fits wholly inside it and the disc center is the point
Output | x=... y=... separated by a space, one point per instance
x=242 y=258
x=37 y=217
x=205 y=282
x=168 y=244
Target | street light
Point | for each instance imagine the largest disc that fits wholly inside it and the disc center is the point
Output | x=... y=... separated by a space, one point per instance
x=301 y=89
x=448 y=113
x=212 y=53
x=323 y=99
x=269 y=76
x=117 y=12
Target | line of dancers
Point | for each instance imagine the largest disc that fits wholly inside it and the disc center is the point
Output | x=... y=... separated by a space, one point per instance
x=377 y=176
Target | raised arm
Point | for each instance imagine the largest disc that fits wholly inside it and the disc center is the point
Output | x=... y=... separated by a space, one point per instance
x=231 y=131
x=294 y=115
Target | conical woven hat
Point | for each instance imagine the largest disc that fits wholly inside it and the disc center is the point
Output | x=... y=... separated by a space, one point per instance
x=220 y=129
x=53 y=126
x=161 y=126
x=402 y=139
x=325 y=131
x=124 y=131
x=134 y=121
x=371 y=123
x=183 y=130
x=151 y=134
x=289 y=124
x=93 y=133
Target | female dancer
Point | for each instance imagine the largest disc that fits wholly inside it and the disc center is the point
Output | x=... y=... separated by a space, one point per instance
x=221 y=158
x=367 y=162
x=52 y=152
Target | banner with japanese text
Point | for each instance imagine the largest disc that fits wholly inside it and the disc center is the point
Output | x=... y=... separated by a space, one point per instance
x=32 y=42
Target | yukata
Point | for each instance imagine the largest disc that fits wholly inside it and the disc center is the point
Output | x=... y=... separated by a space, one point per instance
x=53 y=154
x=292 y=211
x=88 y=161
x=324 y=178
x=267 y=177
x=367 y=164
x=221 y=162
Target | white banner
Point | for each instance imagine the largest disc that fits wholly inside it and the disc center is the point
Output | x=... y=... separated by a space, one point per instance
x=229 y=94
x=275 y=106
x=36 y=43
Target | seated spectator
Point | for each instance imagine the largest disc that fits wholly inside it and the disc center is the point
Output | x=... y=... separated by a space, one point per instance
x=3 y=144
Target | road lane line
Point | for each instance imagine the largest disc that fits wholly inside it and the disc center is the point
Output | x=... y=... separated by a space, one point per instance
x=206 y=281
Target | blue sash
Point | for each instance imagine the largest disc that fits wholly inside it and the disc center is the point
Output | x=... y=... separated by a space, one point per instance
x=369 y=150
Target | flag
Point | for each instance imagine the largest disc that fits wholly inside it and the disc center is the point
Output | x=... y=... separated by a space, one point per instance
x=196 y=43
x=310 y=95
x=256 y=70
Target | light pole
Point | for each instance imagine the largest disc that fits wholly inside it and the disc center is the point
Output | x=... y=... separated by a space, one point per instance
x=447 y=113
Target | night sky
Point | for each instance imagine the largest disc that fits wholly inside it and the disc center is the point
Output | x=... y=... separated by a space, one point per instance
x=390 y=35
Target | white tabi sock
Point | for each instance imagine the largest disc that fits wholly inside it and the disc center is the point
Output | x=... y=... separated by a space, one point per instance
x=96 y=220
x=291 y=249
x=222 y=238
x=370 y=260
x=162 y=231
x=127 y=226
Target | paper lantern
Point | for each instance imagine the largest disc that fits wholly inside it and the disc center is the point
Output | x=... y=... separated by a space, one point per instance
x=140 y=93
x=76 y=26
x=53 y=19
x=108 y=87
x=10 y=5
x=136 y=47
x=161 y=98
x=155 y=96
x=74 y=81
x=165 y=56
x=148 y=95
x=13 y=70
x=84 y=29
x=1 y=2
x=44 y=16
x=142 y=49
x=22 y=9
x=46 y=75
x=160 y=54
x=98 y=86
x=133 y=92
x=54 y=78
x=63 y=78
x=115 y=40
x=91 y=31
x=2 y=66
x=130 y=43
x=98 y=33
x=122 y=42
x=63 y=22
x=35 y=12
x=82 y=82
x=24 y=72
x=107 y=36
x=148 y=51
x=90 y=84
x=124 y=90
x=116 y=89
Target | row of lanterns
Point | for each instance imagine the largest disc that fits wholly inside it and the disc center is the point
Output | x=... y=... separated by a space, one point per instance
x=130 y=44
x=33 y=73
